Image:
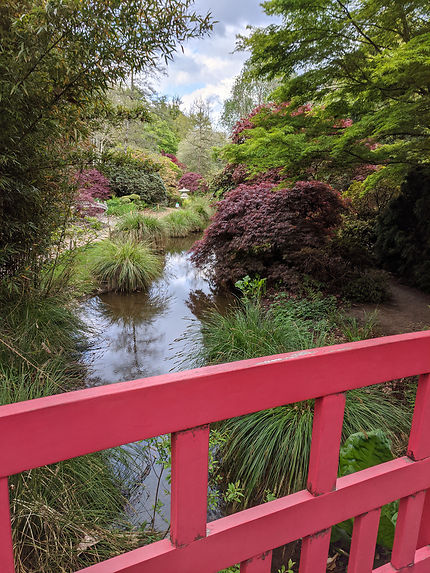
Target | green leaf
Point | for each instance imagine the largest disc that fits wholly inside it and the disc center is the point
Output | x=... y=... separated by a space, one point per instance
x=362 y=451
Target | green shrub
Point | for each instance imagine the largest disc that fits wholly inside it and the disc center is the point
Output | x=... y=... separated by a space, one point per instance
x=117 y=208
x=355 y=241
x=369 y=286
x=403 y=230
x=124 y=266
x=129 y=175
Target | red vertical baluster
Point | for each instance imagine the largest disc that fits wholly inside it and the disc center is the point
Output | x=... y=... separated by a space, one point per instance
x=363 y=542
x=407 y=529
x=260 y=564
x=314 y=553
x=323 y=465
x=6 y=547
x=419 y=446
x=190 y=451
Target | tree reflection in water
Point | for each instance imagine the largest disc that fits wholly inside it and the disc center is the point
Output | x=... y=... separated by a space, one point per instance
x=146 y=334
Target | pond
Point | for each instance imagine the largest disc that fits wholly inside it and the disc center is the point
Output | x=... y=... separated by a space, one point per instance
x=147 y=334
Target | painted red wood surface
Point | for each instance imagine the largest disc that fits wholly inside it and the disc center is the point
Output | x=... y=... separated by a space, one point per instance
x=6 y=553
x=323 y=464
x=51 y=429
x=189 y=498
x=260 y=564
x=363 y=543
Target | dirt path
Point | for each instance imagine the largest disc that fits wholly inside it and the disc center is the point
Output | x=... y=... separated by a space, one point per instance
x=407 y=311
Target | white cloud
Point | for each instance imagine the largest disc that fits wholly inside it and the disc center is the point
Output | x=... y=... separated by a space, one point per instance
x=208 y=66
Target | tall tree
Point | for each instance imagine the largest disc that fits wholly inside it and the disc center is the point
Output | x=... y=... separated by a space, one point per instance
x=196 y=150
x=57 y=60
x=247 y=93
x=368 y=61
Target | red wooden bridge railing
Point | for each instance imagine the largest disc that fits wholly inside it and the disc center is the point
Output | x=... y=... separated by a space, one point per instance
x=47 y=430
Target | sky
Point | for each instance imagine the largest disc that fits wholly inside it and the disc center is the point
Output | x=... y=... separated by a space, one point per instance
x=208 y=66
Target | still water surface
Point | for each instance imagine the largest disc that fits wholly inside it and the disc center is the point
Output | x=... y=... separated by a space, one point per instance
x=147 y=334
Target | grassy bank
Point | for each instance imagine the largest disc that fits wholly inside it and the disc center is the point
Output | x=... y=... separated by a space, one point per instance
x=62 y=515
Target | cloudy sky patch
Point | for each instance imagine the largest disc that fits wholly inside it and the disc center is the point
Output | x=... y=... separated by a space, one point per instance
x=208 y=66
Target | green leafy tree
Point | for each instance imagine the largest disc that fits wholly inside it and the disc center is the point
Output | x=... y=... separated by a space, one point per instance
x=196 y=150
x=57 y=61
x=246 y=94
x=368 y=61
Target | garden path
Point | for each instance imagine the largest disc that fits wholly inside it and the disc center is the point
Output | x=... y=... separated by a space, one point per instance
x=407 y=311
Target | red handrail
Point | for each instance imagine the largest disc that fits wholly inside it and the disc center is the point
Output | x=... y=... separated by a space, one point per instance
x=47 y=430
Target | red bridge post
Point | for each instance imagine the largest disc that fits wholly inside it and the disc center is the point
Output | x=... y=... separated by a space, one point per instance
x=323 y=466
x=6 y=546
x=190 y=452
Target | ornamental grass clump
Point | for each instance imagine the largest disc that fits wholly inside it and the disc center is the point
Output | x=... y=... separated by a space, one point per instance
x=182 y=223
x=200 y=205
x=124 y=265
x=139 y=227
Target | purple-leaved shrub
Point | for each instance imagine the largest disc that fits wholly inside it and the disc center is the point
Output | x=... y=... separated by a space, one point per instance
x=279 y=234
x=91 y=185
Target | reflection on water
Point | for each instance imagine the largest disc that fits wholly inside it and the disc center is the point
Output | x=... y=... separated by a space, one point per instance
x=147 y=334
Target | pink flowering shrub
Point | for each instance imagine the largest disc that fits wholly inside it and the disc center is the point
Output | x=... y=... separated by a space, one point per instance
x=91 y=185
x=194 y=182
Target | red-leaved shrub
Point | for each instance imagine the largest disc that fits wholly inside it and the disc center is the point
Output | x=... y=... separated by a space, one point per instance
x=175 y=160
x=259 y=230
x=91 y=185
x=194 y=182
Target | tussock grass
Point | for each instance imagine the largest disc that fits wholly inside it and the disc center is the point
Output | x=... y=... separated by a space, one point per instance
x=62 y=515
x=248 y=331
x=124 y=265
x=182 y=223
x=202 y=206
x=269 y=451
x=39 y=329
x=139 y=227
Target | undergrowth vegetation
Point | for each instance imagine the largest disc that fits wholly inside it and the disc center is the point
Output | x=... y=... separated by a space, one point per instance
x=62 y=515
x=267 y=452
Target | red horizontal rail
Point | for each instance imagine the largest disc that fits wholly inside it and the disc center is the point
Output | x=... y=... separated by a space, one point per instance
x=250 y=532
x=51 y=429
x=48 y=430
